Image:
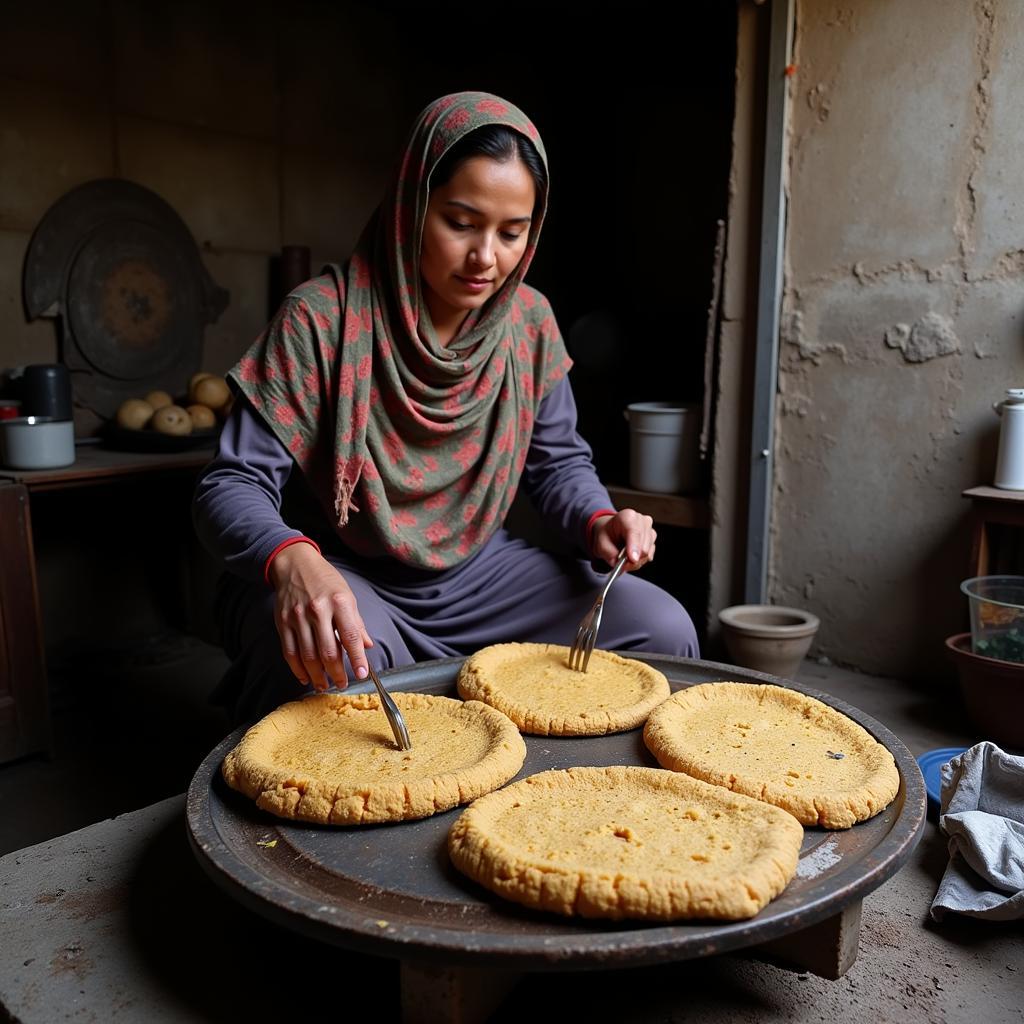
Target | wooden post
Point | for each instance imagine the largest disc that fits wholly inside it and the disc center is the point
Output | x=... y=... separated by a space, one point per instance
x=24 y=698
x=434 y=994
x=828 y=948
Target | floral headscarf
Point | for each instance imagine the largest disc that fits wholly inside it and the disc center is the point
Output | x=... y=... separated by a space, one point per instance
x=415 y=449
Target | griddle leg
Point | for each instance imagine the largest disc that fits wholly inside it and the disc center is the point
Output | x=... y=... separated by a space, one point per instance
x=452 y=995
x=828 y=948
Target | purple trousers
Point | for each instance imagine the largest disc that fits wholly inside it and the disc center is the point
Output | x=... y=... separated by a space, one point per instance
x=508 y=591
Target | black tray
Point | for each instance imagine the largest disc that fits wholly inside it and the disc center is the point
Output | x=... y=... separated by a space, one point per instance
x=122 y=440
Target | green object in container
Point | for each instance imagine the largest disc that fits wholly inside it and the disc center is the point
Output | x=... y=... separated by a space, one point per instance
x=1004 y=646
x=997 y=616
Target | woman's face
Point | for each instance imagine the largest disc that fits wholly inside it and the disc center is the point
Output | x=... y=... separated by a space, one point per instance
x=474 y=236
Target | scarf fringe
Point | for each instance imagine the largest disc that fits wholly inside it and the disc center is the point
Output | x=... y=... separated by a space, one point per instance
x=343 y=502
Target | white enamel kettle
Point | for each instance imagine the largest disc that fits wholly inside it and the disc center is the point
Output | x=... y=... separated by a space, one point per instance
x=1010 y=460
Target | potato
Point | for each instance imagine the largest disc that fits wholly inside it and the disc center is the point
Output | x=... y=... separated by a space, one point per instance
x=134 y=414
x=158 y=399
x=212 y=391
x=203 y=417
x=172 y=419
x=193 y=381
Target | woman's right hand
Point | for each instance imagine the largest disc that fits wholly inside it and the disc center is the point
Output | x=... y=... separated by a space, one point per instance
x=314 y=607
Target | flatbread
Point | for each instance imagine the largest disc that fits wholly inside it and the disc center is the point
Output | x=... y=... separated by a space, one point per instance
x=627 y=842
x=777 y=745
x=332 y=758
x=534 y=685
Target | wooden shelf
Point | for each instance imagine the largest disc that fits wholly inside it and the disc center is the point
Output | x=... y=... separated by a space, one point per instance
x=993 y=511
x=95 y=465
x=689 y=511
x=994 y=494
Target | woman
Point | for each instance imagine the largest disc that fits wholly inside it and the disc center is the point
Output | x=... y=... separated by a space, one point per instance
x=413 y=390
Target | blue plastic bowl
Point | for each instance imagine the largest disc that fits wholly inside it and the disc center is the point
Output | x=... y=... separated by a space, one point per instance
x=931 y=762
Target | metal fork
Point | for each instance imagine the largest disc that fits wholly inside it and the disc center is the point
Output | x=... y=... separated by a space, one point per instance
x=394 y=716
x=391 y=712
x=586 y=635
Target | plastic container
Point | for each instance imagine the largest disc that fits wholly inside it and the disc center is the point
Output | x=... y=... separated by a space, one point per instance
x=930 y=763
x=664 y=447
x=997 y=616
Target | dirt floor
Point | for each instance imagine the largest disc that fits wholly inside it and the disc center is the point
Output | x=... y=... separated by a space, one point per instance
x=908 y=970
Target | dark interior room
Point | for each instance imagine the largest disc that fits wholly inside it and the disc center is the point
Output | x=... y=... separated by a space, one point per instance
x=776 y=774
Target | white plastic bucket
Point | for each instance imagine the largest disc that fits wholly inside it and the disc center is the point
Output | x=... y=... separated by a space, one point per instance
x=664 y=447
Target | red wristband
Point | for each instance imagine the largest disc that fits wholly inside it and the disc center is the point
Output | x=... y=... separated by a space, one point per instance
x=590 y=524
x=280 y=547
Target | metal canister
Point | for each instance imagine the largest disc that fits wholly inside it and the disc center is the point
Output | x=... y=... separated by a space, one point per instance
x=1010 y=460
x=46 y=391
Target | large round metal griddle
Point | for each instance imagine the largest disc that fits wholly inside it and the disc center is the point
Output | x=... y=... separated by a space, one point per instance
x=390 y=890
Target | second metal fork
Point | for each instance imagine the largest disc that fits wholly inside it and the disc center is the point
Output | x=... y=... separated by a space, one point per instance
x=390 y=709
x=586 y=635
x=391 y=712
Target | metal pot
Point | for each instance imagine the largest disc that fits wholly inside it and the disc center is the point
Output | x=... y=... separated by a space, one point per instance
x=37 y=442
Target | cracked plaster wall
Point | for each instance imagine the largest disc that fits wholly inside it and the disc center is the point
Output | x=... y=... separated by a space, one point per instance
x=903 y=314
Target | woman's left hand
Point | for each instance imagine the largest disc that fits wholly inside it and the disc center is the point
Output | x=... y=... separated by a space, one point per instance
x=628 y=531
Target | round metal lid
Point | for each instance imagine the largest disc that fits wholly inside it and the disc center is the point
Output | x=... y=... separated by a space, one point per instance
x=132 y=301
x=120 y=268
x=390 y=890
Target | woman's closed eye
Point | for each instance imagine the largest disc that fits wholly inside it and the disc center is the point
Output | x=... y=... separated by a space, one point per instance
x=509 y=236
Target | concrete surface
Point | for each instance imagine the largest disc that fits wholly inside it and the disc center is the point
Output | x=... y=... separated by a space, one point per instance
x=118 y=923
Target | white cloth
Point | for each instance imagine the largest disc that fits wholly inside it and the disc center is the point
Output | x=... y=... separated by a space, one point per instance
x=982 y=813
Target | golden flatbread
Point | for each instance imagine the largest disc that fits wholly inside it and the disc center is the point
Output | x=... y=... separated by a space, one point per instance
x=534 y=685
x=777 y=745
x=627 y=842
x=332 y=758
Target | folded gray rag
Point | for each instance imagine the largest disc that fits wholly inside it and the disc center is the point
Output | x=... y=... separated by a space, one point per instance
x=982 y=812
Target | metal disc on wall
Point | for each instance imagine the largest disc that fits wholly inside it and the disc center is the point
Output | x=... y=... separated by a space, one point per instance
x=121 y=270
x=132 y=303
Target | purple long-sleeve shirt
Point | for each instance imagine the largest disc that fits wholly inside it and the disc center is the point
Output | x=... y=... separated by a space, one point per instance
x=237 y=504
